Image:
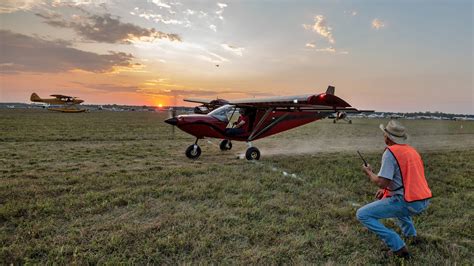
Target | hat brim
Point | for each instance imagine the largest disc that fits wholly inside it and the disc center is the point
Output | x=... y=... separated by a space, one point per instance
x=398 y=140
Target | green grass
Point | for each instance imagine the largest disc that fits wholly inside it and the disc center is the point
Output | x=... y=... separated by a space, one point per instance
x=112 y=187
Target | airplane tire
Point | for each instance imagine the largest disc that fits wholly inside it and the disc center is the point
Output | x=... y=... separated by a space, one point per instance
x=193 y=153
x=350 y=121
x=334 y=121
x=252 y=154
x=225 y=145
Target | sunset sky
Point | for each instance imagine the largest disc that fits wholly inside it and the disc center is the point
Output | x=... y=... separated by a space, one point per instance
x=385 y=55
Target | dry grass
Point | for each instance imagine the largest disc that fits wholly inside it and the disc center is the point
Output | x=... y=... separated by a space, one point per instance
x=116 y=187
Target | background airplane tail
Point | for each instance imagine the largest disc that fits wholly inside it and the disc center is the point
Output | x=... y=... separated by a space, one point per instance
x=35 y=98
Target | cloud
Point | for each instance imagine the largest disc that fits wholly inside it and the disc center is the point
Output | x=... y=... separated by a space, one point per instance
x=221 y=10
x=108 y=87
x=188 y=49
x=236 y=50
x=189 y=12
x=320 y=26
x=326 y=49
x=184 y=92
x=78 y=2
x=330 y=49
x=213 y=27
x=22 y=53
x=11 y=6
x=149 y=15
x=351 y=12
x=106 y=28
x=377 y=24
x=178 y=92
x=160 y=4
x=212 y=57
x=152 y=82
x=221 y=5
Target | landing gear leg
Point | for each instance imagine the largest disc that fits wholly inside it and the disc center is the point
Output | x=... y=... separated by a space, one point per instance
x=252 y=153
x=225 y=145
x=193 y=151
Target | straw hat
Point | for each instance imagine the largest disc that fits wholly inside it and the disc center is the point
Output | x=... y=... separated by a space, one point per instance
x=395 y=131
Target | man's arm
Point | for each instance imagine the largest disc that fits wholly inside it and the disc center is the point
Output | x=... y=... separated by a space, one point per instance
x=381 y=182
x=240 y=122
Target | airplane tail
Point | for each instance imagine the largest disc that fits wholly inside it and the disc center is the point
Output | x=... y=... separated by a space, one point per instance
x=35 y=98
x=330 y=90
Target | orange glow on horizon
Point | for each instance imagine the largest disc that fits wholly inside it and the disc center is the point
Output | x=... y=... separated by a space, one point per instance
x=159 y=102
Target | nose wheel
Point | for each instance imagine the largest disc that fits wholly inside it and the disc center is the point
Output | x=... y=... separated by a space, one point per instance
x=225 y=145
x=193 y=151
x=252 y=154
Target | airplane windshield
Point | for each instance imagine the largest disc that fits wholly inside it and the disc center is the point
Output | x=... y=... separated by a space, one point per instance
x=223 y=113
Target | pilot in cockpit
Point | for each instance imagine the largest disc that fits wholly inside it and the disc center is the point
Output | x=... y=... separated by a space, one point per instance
x=240 y=126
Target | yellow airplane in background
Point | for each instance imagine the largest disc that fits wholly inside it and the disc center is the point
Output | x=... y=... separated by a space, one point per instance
x=67 y=104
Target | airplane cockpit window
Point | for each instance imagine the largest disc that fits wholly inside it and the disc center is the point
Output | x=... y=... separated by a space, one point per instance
x=225 y=113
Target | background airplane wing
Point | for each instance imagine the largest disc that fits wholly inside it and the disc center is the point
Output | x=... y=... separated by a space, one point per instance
x=196 y=100
x=61 y=96
x=215 y=102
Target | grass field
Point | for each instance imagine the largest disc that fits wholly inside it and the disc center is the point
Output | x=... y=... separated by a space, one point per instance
x=111 y=187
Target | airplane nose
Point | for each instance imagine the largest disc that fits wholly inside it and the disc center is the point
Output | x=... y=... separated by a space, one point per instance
x=172 y=121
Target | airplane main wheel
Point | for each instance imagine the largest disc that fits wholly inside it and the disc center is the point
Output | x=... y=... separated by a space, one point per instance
x=252 y=154
x=225 y=145
x=350 y=121
x=193 y=151
x=334 y=121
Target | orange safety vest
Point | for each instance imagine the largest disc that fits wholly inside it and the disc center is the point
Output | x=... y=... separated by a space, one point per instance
x=412 y=171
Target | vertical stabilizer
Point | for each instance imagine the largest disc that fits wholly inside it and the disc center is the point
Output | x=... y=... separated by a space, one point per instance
x=35 y=98
x=330 y=90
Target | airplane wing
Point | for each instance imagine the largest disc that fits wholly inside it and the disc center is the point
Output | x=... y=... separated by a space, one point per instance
x=320 y=101
x=59 y=96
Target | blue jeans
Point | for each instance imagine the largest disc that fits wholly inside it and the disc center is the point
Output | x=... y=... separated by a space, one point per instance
x=393 y=207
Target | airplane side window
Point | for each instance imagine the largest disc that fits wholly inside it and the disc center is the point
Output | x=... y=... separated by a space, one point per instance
x=232 y=116
x=222 y=113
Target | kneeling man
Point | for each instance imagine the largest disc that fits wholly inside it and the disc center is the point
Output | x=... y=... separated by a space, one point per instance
x=403 y=192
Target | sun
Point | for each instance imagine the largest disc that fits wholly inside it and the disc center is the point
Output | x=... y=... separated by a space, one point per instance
x=159 y=102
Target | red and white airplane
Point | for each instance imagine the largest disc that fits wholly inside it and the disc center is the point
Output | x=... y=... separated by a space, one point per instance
x=262 y=118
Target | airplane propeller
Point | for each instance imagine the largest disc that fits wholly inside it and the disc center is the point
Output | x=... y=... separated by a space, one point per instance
x=172 y=120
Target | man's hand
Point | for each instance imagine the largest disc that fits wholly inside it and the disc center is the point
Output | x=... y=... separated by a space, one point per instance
x=367 y=169
x=379 y=193
x=381 y=182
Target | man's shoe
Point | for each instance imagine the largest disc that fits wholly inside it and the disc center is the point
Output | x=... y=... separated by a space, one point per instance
x=401 y=253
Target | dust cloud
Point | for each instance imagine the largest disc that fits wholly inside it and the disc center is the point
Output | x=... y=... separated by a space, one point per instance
x=367 y=137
